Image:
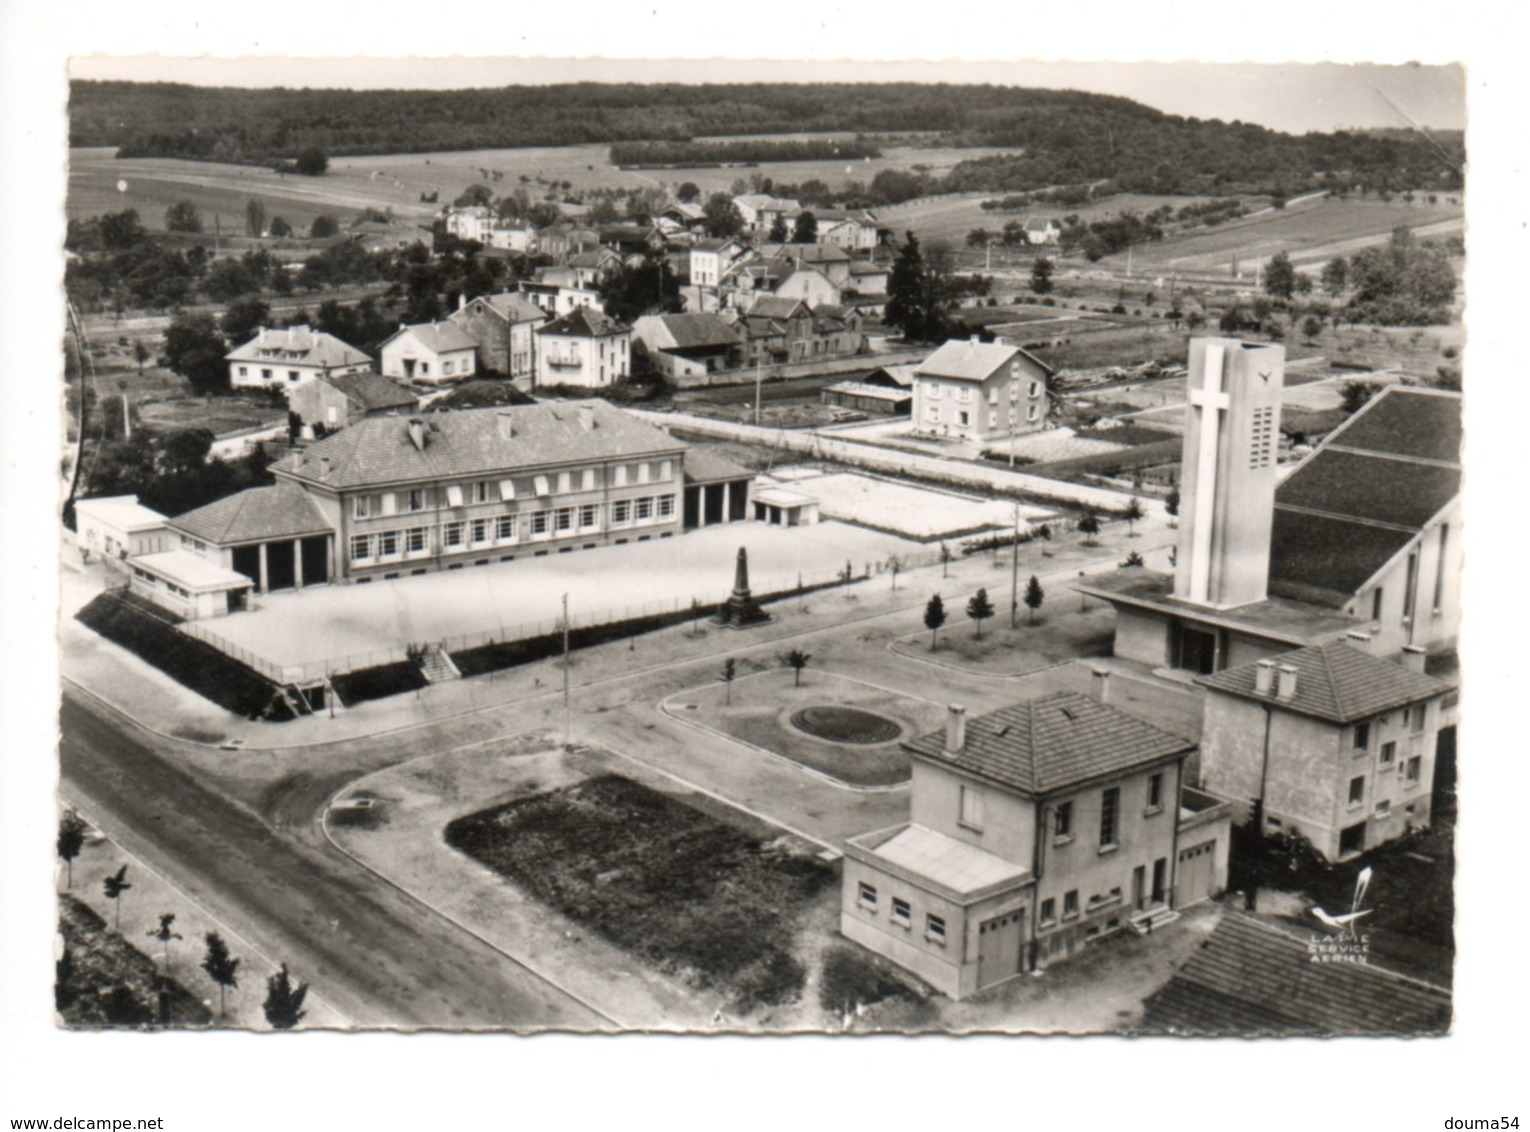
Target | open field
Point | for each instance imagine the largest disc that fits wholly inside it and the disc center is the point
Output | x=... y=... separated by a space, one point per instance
x=1310 y=232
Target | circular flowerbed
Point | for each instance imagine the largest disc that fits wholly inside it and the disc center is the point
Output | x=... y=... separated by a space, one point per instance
x=845 y=725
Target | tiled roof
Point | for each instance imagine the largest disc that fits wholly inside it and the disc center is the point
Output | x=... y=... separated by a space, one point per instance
x=475 y=442
x=1372 y=485
x=585 y=322
x=512 y=306
x=967 y=360
x=775 y=306
x=688 y=331
x=900 y=375
x=257 y=514
x=373 y=391
x=702 y=466
x=437 y=337
x=808 y=253
x=311 y=347
x=1250 y=978
x=1052 y=743
x=1336 y=682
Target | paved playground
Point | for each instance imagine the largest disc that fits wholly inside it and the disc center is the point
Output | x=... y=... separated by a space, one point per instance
x=523 y=598
x=917 y=512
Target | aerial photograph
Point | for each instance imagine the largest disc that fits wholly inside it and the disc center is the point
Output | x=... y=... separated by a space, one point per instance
x=912 y=551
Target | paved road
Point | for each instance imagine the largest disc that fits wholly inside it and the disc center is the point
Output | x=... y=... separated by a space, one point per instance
x=378 y=955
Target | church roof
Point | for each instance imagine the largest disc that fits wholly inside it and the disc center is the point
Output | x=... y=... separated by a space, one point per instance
x=1045 y=745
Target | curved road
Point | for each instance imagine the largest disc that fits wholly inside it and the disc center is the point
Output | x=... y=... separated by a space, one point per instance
x=378 y=955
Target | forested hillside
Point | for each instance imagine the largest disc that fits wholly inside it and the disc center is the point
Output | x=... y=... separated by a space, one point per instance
x=1067 y=136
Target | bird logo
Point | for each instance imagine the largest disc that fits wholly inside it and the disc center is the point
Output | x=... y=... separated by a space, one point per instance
x=1263 y=376
x=1343 y=924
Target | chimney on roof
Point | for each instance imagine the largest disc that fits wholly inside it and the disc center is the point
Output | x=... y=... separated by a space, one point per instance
x=506 y=423
x=1099 y=684
x=1359 y=638
x=587 y=417
x=1264 y=677
x=1412 y=658
x=1285 y=682
x=323 y=465
x=461 y=300
x=417 y=433
x=260 y=332
x=956 y=729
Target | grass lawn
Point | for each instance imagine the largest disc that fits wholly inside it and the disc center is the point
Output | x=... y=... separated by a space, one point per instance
x=763 y=706
x=1061 y=633
x=699 y=897
x=109 y=983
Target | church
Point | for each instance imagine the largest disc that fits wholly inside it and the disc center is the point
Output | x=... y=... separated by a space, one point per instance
x=1360 y=542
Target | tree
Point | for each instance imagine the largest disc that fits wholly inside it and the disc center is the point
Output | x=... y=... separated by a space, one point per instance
x=183 y=216
x=1280 y=276
x=1335 y=275
x=280 y=228
x=1171 y=502
x=165 y=933
x=122 y=230
x=1089 y=524
x=1044 y=533
x=1033 y=596
x=945 y=560
x=798 y=660
x=254 y=218
x=723 y=218
x=1041 y=277
x=934 y=618
x=805 y=231
x=649 y=287
x=284 y=1003
x=1132 y=560
x=71 y=839
x=1354 y=394
x=779 y=233
x=1132 y=514
x=121 y=1007
x=141 y=354
x=323 y=227
x=244 y=318
x=729 y=671
x=222 y=968
x=919 y=292
x=1312 y=326
x=114 y=886
x=311 y=162
x=689 y=191
x=980 y=609
x=63 y=975
x=195 y=350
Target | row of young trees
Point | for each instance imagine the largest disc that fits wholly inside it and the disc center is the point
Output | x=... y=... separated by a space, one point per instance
x=283 y=1006
x=1407 y=281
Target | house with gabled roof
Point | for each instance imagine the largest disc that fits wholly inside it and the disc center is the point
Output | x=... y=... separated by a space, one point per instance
x=585 y=348
x=1251 y=978
x=285 y=358
x=810 y=285
x=980 y=391
x=832 y=261
x=689 y=345
x=1328 y=742
x=855 y=230
x=502 y=325
x=1033 y=830
x=429 y=353
x=327 y=404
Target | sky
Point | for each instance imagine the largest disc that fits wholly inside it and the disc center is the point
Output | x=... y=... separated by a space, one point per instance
x=1293 y=97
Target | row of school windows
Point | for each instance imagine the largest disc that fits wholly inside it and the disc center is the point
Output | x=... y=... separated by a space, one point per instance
x=901 y=913
x=553 y=522
x=508 y=489
x=970 y=811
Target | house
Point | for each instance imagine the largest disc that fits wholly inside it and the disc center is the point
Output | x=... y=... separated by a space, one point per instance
x=1251 y=978
x=561 y=290
x=760 y=211
x=1042 y=232
x=1033 y=830
x=854 y=231
x=429 y=353
x=712 y=260
x=114 y=528
x=689 y=345
x=502 y=326
x=565 y=239
x=885 y=391
x=589 y=268
x=447 y=490
x=470 y=222
x=584 y=348
x=680 y=216
x=810 y=285
x=867 y=280
x=1327 y=741
x=783 y=330
x=328 y=404
x=832 y=261
x=976 y=391
x=285 y=358
x=1362 y=540
x=632 y=241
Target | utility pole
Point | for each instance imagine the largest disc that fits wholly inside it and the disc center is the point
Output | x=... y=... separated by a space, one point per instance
x=1014 y=570
x=758 y=376
x=568 y=715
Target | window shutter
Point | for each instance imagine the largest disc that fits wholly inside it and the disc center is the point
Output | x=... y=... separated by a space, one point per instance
x=389 y=503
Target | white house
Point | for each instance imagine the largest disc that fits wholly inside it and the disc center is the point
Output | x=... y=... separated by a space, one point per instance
x=980 y=391
x=429 y=352
x=287 y=357
x=584 y=348
x=117 y=527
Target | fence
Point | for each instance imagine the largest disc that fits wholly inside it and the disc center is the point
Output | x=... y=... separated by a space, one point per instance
x=773 y=588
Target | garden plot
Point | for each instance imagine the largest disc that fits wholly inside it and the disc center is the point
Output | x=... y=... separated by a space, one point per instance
x=920 y=513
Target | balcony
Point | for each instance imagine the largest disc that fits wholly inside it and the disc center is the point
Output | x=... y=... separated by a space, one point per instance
x=1198 y=809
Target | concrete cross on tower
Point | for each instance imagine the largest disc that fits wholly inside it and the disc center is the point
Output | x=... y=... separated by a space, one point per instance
x=1207 y=403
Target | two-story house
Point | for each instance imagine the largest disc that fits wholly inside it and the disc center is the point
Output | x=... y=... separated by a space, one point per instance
x=980 y=391
x=712 y=260
x=330 y=404
x=502 y=327
x=288 y=357
x=689 y=345
x=429 y=353
x=583 y=348
x=1328 y=741
x=1032 y=831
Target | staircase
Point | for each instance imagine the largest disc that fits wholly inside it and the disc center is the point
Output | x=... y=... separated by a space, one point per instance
x=436 y=665
x=1157 y=916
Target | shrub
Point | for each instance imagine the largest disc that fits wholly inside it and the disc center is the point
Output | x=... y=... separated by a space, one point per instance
x=849 y=977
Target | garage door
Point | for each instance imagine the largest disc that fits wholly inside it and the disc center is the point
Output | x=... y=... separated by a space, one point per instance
x=999 y=942
x=1197 y=873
